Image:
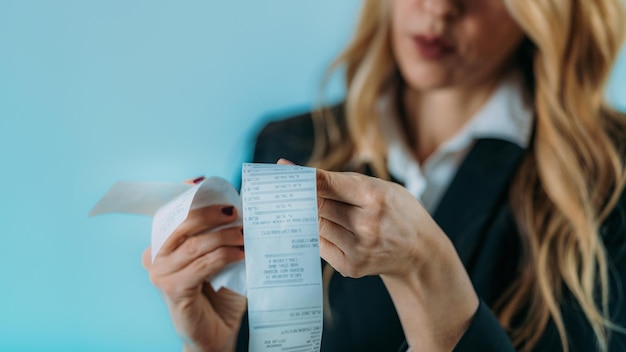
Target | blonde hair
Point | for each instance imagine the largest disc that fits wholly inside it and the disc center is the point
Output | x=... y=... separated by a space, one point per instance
x=571 y=177
x=369 y=68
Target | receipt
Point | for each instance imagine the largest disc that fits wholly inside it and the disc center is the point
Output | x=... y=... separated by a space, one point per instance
x=282 y=257
x=282 y=272
x=169 y=204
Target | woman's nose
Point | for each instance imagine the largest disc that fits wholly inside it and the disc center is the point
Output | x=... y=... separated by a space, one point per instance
x=442 y=8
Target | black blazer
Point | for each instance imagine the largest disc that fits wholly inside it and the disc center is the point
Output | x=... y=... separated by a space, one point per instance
x=475 y=214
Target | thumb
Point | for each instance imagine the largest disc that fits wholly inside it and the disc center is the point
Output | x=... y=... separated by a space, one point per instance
x=283 y=161
x=146 y=258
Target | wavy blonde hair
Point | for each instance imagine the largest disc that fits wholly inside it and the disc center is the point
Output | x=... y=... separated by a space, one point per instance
x=569 y=181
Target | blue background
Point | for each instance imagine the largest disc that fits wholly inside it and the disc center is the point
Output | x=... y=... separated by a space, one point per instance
x=96 y=91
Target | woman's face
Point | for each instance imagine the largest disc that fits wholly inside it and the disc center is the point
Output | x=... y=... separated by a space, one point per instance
x=451 y=43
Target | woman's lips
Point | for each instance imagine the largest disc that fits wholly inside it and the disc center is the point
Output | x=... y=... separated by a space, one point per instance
x=433 y=48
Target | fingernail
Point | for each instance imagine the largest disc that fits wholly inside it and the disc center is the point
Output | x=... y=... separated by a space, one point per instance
x=195 y=181
x=228 y=210
x=285 y=161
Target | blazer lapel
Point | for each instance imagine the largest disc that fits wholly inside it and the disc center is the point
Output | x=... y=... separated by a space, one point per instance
x=480 y=184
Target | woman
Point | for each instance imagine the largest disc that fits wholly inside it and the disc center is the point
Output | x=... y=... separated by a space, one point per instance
x=509 y=232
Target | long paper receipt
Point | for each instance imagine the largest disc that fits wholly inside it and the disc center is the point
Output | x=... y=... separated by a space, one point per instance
x=282 y=257
x=282 y=272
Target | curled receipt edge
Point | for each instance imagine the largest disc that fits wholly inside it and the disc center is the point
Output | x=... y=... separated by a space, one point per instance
x=169 y=205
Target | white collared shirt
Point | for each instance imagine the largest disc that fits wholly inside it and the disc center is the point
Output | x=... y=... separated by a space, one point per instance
x=504 y=116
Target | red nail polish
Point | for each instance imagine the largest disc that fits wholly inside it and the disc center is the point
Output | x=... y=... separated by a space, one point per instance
x=228 y=210
x=195 y=181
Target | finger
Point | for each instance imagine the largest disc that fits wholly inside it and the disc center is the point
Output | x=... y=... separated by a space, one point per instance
x=194 y=181
x=199 y=245
x=343 y=214
x=332 y=254
x=198 y=221
x=193 y=275
x=337 y=235
x=146 y=258
x=346 y=187
x=283 y=161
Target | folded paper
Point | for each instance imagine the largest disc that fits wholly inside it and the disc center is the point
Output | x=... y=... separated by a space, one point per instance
x=169 y=204
x=278 y=210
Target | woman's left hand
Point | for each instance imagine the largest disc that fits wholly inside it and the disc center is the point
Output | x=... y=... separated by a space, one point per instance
x=373 y=227
x=369 y=226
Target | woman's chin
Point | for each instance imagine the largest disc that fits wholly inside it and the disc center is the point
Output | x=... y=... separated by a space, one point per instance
x=428 y=79
x=428 y=84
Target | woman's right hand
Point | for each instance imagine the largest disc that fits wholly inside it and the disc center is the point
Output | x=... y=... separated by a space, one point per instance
x=206 y=320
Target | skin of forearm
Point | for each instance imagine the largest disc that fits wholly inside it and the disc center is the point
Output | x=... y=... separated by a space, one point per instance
x=435 y=302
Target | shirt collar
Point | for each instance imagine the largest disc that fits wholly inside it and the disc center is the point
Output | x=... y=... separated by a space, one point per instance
x=504 y=116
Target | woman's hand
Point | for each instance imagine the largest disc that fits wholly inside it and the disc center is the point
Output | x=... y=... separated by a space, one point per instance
x=206 y=320
x=369 y=226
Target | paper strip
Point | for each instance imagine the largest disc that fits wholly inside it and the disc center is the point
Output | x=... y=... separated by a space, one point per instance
x=282 y=255
x=169 y=204
x=142 y=198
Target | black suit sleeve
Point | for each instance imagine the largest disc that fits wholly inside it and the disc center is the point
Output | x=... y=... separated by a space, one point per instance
x=484 y=333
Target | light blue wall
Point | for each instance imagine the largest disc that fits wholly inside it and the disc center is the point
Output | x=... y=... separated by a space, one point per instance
x=96 y=91
x=616 y=92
